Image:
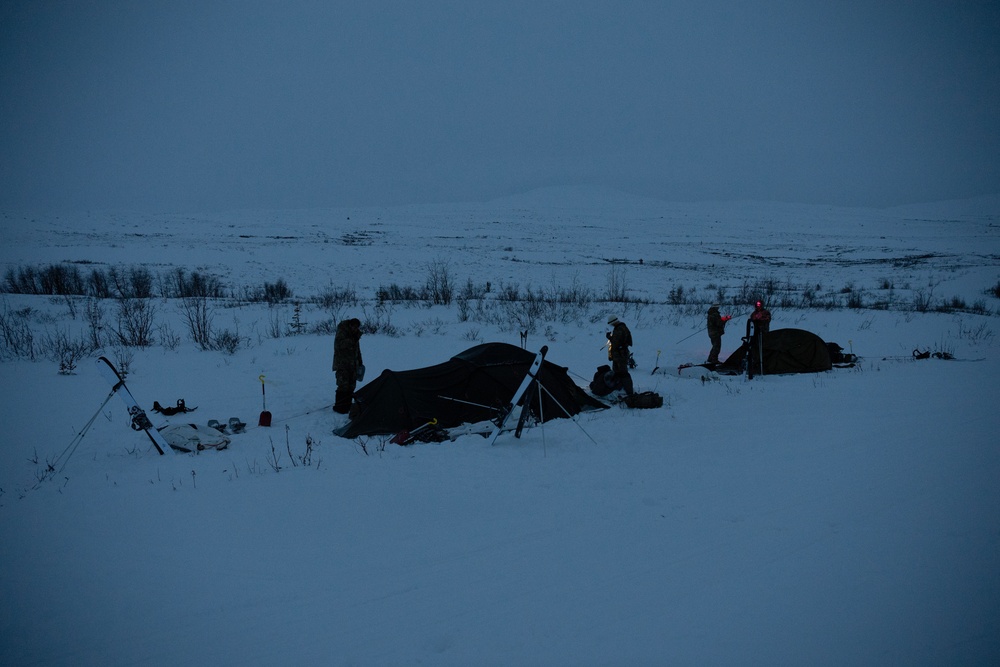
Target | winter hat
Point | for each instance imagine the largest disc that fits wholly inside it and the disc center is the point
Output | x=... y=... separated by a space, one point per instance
x=612 y=320
x=716 y=305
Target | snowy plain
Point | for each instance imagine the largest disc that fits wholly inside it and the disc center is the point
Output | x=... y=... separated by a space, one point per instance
x=846 y=517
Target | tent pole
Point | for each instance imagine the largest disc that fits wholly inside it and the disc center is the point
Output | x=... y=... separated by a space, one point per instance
x=477 y=405
x=572 y=418
x=760 y=351
x=541 y=418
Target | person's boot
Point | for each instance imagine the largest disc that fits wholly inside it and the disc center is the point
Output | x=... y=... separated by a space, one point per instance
x=342 y=402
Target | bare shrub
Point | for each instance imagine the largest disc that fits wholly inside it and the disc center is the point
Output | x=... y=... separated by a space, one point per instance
x=60 y=279
x=93 y=312
x=135 y=322
x=922 y=301
x=276 y=292
x=123 y=357
x=379 y=321
x=17 y=340
x=98 y=285
x=275 y=323
x=60 y=347
x=227 y=341
x=855 y=298
x=180 y=284
x=335 y=298
x=198 y=317
x=394 y=293
x=167 y=337
x=616 y=285
x=439 y=283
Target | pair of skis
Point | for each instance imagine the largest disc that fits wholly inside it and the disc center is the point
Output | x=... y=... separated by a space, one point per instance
x=139 y=420
x=530 y=378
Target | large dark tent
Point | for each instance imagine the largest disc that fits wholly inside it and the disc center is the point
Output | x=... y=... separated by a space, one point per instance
x=784 y=351
x=470 y=387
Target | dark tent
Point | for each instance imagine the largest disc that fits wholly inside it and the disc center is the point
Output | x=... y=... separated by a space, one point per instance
x=784 y=351
x=470 y=387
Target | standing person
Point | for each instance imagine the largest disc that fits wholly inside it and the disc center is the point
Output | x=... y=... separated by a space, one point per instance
x=760 y=318
x=716 y=328
x=619 y=342
x=347 y=363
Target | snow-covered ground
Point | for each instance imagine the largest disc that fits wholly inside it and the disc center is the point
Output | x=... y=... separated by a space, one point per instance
x=847 y=517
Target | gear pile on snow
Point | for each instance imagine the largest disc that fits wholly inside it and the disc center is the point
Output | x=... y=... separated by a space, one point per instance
x=193 y=438
x=780 y=351
x=179 y=409
x=643 y=399
x=473 y=386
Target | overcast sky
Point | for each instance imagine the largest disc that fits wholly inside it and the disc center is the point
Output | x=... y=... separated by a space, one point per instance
x=197 y=105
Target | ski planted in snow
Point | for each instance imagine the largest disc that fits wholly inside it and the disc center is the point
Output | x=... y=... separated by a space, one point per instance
x=529 y=380
x=139 y=419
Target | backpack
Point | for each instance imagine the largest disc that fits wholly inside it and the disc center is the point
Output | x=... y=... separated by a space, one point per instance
x=604 y=381
x=645 y=399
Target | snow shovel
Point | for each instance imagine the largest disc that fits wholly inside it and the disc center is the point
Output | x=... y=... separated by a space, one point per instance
x=265 y=416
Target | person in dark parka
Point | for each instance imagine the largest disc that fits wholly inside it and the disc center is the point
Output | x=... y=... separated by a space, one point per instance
x=716 y=328
x=347 y=363
x=619 y=341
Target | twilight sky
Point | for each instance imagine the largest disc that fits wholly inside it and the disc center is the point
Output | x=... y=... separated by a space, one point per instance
x=185 y=105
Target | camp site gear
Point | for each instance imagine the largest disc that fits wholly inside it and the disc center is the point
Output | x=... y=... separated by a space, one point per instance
x=604 y=381
x=917 y=354
x=140 y=422
x=428 y=432
x=780 y=351
x=265 y=416
x=194 y=438
x=473 y=386
x=643 y=399
x=524 y=389
x=181 y=408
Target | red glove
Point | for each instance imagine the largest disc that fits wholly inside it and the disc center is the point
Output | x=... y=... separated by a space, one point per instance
x=726 y=318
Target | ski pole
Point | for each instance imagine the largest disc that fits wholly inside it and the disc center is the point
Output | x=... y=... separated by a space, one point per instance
x=691 y=336
x=732 y=317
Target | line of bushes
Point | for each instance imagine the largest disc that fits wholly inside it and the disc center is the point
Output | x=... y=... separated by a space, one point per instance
x=135 y=282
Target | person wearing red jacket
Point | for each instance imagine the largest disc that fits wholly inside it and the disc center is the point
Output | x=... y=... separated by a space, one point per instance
x=716 y=328
x=760 y=318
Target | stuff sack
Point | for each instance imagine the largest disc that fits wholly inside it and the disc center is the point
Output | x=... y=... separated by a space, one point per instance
x=645 y=399
x=604 y=381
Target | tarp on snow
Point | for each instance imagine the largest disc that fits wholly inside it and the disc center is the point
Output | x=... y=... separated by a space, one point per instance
x=193 y=438
x=470 y=387
x=784 y=351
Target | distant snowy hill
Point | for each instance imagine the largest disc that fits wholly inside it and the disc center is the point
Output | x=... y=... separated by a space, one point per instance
x=986 y=207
